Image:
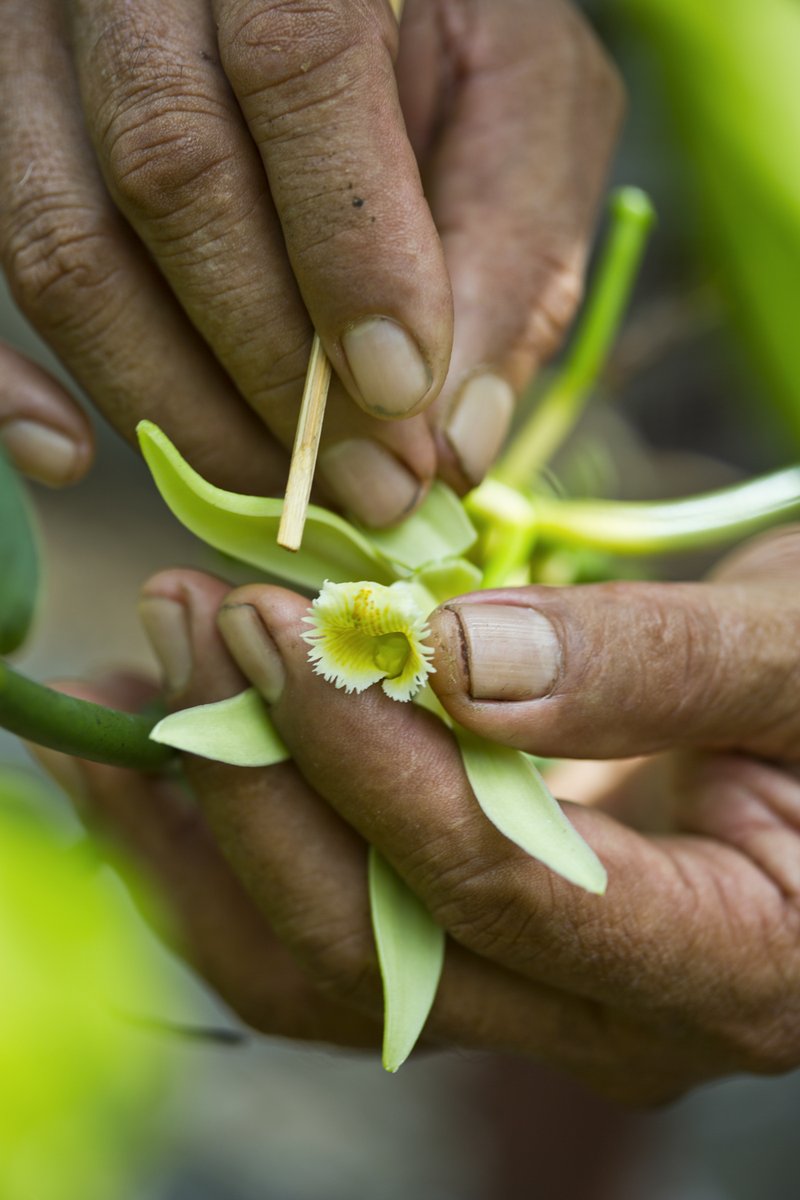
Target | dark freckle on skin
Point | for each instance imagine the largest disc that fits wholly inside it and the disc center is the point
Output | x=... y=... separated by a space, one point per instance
x=372 y=220
x=358 y=202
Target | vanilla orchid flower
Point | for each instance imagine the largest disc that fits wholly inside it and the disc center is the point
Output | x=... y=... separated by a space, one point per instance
x=362 y=633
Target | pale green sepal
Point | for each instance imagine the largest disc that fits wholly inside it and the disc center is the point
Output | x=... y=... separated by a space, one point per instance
x=452 y=577
x=236 y=731
x=246 y=527
x=426 y=698
x=411 y=955
x=518 y=802
x=439 y=528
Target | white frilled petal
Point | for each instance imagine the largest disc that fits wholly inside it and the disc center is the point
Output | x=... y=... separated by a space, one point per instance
x=365 y=632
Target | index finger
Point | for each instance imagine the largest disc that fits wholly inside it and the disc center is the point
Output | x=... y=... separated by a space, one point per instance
x=316 y=85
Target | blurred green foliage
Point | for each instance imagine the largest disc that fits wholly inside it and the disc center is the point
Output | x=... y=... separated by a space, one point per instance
x=730 y=71
x=77 y=1083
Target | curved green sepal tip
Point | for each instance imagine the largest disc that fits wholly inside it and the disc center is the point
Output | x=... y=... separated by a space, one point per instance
x=237 y=731
x=19 y=560
x=518 y=802
x=411 y=955
x=246 y=527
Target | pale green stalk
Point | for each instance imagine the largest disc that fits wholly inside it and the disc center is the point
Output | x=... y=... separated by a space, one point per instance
x=509 y=525
x=622 y=527
x=632 y=216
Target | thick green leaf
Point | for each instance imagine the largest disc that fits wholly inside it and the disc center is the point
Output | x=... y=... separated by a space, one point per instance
x=518 y=802
x=246 y=527
x=19 y=561
x=411 y=955
x=440 y=528
x=236 y=731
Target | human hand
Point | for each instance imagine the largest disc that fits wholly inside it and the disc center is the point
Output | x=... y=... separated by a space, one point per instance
x=42 y=430
x=186 y=188
x=686 y=970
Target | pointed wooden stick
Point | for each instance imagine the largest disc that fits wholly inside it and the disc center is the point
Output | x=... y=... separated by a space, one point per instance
x=309 y=430
x=306 y=445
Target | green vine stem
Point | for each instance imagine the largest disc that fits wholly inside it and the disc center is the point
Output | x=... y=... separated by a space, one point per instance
x=632 y=216
x=79 y=727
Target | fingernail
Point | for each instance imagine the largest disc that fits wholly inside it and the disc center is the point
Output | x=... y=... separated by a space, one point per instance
x=41 y=453
x=254 y=650
x=390 y=373
x=478 y=423
x=512 y=653
x=368 y=481
x=167 y=627
x=62 y=768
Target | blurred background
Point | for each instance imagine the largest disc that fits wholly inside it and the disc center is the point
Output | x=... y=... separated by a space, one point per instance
x=703 y=388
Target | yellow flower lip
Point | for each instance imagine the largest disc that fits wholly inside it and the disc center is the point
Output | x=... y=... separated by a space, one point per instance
x=364 y=633
x=390 y=652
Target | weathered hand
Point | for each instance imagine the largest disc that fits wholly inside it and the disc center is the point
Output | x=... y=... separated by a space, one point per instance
x=686 y=970
x=186 y=186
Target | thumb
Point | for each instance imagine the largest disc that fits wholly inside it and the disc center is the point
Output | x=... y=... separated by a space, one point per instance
x=620 y=669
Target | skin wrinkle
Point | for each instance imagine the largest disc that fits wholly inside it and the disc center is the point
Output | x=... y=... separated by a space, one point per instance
x=155 y=160
x=286 y=57
x=45 y=269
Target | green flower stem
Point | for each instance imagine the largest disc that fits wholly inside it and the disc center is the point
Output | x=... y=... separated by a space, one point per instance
x=509 y=521
x=494 y=503
x=632 y=216
x=513 y=549
x=661 y=527
x=49 y=718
